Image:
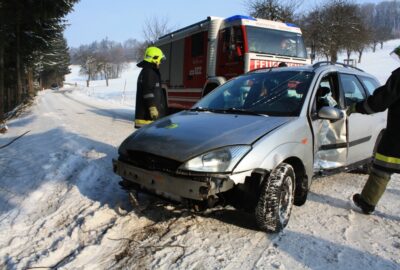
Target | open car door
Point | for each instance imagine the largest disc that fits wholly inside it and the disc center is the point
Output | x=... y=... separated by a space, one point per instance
x=330 y=136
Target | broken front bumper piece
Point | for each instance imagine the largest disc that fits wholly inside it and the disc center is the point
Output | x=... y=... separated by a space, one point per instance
x=174 y=187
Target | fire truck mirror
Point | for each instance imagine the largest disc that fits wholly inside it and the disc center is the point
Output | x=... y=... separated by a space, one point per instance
x=238 y=50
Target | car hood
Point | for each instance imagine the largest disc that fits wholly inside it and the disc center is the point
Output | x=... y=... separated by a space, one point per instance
x=188 y=134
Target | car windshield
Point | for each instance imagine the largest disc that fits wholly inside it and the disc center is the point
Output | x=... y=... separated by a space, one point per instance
x=275 y=93
x=262 y=40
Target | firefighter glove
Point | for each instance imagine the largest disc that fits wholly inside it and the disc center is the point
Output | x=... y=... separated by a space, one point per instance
x=153 y=112
x=351 y=109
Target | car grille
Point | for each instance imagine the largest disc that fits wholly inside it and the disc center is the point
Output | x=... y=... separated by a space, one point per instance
x=150 y=162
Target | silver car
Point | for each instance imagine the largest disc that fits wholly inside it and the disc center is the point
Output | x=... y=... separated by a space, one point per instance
x=257 y=141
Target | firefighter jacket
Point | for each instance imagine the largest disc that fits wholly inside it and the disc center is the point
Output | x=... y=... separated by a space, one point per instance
x=149 y=93
x=385 y=97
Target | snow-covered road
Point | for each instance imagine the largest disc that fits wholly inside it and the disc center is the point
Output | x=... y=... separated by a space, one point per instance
x=61 y=207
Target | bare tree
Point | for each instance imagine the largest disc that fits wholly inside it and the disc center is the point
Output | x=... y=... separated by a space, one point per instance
x=107 y=59
x=139 y=50
x=101 y=60
x=361 y=35
x=378 y=32
x=85 y=56
x=273 y=9
x=154 y=28
x=118 y=61
x=388 y=16
x=130 y=46
x=333 y=27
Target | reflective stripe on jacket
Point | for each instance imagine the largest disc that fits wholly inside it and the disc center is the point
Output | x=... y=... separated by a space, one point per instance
x=140 y=123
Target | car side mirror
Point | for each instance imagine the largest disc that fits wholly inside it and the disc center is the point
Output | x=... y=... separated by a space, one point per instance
x=330 y=113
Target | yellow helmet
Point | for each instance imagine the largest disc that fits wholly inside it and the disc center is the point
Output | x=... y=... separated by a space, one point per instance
x=153 y=55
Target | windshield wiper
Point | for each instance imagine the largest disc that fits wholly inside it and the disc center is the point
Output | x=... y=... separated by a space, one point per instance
x=200 y=109
x=239 y=111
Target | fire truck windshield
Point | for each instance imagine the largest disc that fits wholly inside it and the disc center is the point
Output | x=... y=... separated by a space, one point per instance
x=276 y=42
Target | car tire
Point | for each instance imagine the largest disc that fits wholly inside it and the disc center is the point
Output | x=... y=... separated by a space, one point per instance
x=276 y=199
x=300 y=197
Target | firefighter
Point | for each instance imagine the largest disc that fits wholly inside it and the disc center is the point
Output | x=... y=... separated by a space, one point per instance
x=150 y=98
x=387 y=157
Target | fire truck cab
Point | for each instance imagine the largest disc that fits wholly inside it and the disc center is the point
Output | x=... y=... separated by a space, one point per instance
x=206 y=54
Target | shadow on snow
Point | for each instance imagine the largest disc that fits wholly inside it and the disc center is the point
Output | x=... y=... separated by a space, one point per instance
x=59 y=157
x=126 y=115
x=339 y=203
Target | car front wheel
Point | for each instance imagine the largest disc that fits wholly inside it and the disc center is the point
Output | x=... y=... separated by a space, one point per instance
x=276 y=199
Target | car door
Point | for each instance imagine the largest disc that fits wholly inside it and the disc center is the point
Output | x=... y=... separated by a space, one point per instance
x=359 y=125
x=330 y=136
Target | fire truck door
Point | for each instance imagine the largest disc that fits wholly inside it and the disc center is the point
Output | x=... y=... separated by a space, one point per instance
x=230 y=61
x=195 y=67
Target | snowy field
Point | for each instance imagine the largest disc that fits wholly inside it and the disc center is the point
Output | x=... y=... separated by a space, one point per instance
x=121 y=91
x=61 y=206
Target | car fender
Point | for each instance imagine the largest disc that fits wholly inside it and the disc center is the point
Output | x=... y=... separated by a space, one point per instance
x=293 y=139
x=286 y=151
x=282 y=153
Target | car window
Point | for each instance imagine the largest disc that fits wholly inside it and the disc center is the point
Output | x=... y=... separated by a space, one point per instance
x=326 y=94
x=369 y=83
x=352 y=88
x=278 y=93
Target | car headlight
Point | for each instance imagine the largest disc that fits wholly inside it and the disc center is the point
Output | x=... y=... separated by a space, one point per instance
x=219 y=160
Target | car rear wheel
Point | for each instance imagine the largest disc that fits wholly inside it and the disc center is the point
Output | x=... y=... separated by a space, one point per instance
x=276 y=199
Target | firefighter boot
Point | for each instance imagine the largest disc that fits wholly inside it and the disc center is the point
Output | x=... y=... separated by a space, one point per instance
x=360 y=203
x=372 y=191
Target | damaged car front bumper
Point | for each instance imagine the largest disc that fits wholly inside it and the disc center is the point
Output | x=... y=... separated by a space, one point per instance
x=176 y=187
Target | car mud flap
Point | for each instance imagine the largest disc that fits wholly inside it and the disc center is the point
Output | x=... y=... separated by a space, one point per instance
x=331 y=145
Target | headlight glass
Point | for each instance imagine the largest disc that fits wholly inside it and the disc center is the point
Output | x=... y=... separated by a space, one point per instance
x=219 y=160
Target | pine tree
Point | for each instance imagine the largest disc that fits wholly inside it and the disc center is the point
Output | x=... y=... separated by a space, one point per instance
x=54 y=62
x=26 y=30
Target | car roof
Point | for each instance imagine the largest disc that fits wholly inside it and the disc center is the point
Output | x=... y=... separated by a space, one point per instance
x=318 y=68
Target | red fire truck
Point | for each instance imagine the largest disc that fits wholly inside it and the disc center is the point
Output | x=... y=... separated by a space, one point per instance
x=206 y=54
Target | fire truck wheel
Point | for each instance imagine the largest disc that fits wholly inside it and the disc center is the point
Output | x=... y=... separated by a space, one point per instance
x=209 y=88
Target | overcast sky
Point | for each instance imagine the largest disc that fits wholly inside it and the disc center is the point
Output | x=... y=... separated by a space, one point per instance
x=120 y=20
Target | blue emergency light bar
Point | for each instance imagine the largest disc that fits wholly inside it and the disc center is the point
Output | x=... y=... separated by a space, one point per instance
x=292 y=25
x=239 y=17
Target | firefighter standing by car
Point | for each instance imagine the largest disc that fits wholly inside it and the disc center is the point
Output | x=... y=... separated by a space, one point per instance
x=387 y=157
x=150 y=99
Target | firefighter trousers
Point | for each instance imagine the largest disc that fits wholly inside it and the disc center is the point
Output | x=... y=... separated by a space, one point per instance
x=375 y=186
